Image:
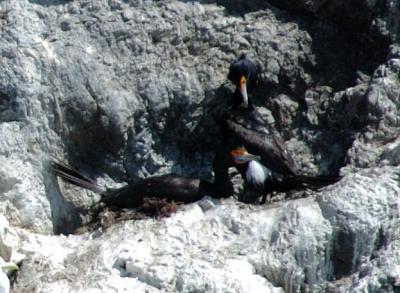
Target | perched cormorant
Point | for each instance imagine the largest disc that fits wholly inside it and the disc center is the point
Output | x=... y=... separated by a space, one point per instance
x=243 y=124
x=171 y=187
x=261 y=181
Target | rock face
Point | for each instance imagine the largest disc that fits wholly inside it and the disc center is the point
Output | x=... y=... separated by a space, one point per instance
x=124 y=89
x=347 y=233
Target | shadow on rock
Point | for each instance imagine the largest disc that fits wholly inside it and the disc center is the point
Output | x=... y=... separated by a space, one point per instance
x=66 y=217
x=50 y=2
x=236 y=7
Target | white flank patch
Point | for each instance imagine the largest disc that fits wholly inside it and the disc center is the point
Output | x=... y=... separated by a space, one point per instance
x=255 y=173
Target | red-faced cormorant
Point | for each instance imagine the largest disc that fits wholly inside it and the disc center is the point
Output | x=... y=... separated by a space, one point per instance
x=171 y=187
x=261 y=181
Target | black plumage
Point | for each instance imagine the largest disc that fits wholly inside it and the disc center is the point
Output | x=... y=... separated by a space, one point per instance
x=171 y=187
x=243 y=67
x=261 y=181
x=243 y=125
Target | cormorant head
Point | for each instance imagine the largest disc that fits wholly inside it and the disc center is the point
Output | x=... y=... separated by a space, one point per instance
x=240 y=156
x=242 y=67
x=243 y=74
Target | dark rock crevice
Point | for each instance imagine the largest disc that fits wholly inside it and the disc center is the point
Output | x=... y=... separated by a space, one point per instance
x=65 y=215
x=10 y=109
x=342 y=255
x=236 y=7
x=89 y=130
x=49 y=3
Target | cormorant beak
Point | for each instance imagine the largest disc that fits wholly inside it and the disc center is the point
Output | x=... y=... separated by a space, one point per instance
x=243 y=90
x=9 y=267
x=243 y=159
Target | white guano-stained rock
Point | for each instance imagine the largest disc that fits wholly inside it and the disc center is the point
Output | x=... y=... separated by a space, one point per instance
x=226 y=246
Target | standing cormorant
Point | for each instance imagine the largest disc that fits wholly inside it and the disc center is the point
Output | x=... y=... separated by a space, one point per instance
x=261 y=181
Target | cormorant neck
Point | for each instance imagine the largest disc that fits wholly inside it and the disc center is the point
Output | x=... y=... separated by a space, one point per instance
x=222 y=183
x=239 y=101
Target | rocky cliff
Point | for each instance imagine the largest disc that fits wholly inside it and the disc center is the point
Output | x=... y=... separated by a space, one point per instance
x=124 y=89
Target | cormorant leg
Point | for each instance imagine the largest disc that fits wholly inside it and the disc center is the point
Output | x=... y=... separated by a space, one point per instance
x=250 y=194
x=264 y=198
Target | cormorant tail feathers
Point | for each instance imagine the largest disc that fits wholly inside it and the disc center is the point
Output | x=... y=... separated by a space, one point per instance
x=316 y=182
x=74 y=177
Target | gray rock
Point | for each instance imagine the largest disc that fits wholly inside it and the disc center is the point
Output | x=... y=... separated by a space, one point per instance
x=349 y=231
x=364 y=222
x=124 y=89
x=381 y=106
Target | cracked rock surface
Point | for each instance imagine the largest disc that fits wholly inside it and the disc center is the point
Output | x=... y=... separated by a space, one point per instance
x=123 y=89
x=347 y=232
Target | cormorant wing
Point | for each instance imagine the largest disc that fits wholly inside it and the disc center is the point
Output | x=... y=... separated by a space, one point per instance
x=260 y=140
x=250 y=119
x=168 y=186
